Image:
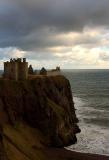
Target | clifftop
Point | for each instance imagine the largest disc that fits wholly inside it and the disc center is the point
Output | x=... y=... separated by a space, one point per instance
x=36 y=113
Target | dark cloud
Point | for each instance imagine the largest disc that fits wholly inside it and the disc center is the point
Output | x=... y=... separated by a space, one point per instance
x=33 y=24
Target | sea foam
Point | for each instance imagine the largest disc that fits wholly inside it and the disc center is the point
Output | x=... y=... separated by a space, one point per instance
x=93 y=138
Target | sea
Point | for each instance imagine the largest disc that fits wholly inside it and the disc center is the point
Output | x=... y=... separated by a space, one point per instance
x=90 y=89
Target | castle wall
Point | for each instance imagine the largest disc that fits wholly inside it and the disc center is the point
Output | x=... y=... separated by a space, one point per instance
x=16 y=69
x=22 y=70
x=13 y=71
x=53 y=73
x=6 y=69
x=10 y=70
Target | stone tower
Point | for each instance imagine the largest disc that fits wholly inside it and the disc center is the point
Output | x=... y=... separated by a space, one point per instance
x=16 y=69
x=30 y=70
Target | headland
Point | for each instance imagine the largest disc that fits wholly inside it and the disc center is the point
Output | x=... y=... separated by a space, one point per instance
x=37 y=117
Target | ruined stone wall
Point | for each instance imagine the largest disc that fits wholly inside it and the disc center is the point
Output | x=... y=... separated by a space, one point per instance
x=22 y=70
x=53 y=73
x=10 y=70
x=16 y=70
x=6 y=69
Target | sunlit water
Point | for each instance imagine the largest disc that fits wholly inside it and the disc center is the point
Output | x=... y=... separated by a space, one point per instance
x=91 y=96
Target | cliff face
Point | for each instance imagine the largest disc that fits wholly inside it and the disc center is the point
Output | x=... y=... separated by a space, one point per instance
x=43 y=104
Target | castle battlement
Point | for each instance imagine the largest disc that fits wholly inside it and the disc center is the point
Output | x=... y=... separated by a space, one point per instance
x=16 y=69
x=16 y=60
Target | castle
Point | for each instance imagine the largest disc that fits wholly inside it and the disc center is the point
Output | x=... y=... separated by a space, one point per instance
x=54 y=72
x=16 y=69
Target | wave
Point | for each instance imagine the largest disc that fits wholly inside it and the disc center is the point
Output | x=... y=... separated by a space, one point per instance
x=93 y=138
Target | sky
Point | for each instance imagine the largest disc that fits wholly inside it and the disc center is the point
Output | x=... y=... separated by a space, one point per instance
x=72 y=34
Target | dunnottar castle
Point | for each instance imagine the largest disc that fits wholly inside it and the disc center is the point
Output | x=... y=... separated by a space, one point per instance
x=18 y=69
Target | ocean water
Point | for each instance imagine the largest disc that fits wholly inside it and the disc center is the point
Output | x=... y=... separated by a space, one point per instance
x=90 y=90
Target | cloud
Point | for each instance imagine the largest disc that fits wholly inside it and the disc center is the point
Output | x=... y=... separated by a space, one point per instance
x=65 y=32
x=29 y=24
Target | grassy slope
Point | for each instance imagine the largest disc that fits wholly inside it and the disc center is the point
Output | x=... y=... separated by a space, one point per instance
x=23 y=143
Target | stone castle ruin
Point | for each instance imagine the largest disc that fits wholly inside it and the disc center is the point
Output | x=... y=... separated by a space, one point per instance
x=16 y=69
x=54 y=72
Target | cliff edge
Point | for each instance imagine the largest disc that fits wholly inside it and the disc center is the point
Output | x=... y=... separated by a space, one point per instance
x=35 y=114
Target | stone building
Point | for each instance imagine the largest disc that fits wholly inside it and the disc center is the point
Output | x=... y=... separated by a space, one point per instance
x=16 y=69
x=30 y=70
x=43 y=71
x=54 y=72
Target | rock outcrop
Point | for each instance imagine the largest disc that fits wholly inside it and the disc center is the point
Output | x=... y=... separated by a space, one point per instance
x=43 y=104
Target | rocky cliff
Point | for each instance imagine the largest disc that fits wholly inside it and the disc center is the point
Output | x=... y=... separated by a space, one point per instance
x=35 y=113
